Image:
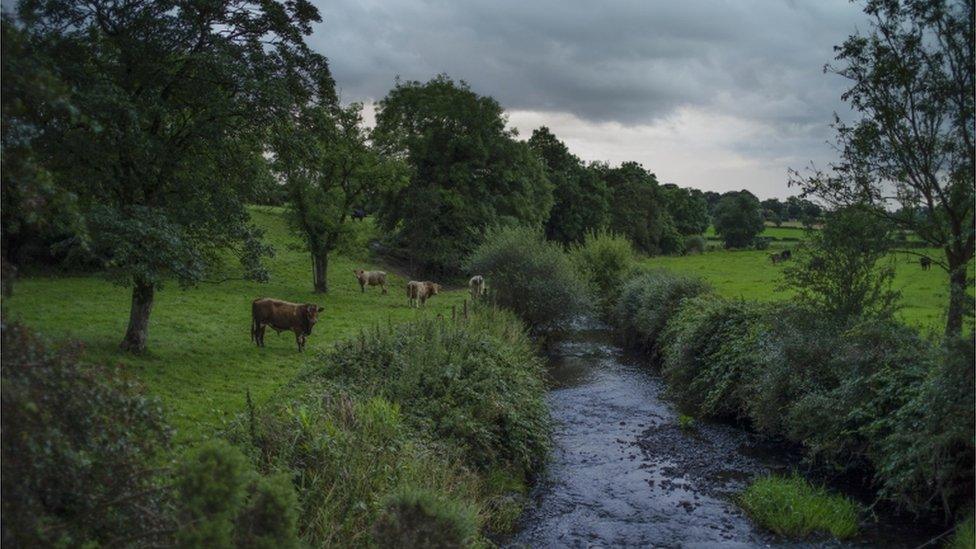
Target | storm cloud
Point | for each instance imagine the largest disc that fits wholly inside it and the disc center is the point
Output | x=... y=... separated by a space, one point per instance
x=715 y=95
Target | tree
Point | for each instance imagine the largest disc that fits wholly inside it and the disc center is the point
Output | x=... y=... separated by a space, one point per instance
x=836 y=270
x=774 y=205
x=175 y=99
x=738 y=219
x=581 y=198
x=637 y=208
x=467 y=172
x=912 y=86
x=329 y=168
x=687 y=207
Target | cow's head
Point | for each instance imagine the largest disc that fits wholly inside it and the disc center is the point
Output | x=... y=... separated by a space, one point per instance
x=358 y=272
x=310 y=316
x=434 y=288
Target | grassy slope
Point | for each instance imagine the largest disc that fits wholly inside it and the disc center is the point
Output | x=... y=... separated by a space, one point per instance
x=749 y=274
x=201 y=359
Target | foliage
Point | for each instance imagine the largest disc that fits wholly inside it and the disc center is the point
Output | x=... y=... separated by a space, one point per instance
x=637 y=209
x=686 y=423
x=790 y=506
x=604 y=260
x=835 y=271
x=737 y=219
x=581 y=198
x=648 y=301
x=910 y=151
x=965 y=535
x=710 y=350
x=416 y=518
x=433 y=406
x=694 y=244
x=329 y=168
x=531 y=276
x=172 y=105
x=468 y=173
x=687 y=207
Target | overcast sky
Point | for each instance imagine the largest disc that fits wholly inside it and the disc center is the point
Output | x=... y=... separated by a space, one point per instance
x=718 y=95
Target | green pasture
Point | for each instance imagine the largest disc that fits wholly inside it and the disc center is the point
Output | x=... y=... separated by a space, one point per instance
x=749 y=274
x=201 y=360
x=793 y=232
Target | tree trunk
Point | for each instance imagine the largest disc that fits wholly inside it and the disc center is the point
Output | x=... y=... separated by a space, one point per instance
x=137 y=333
x=957 y=298
x=320 y=271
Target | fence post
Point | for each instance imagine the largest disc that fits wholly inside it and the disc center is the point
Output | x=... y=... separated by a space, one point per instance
x=453 y=312
x=465 y=309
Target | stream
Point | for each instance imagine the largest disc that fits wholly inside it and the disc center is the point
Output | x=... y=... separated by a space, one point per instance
x=624 y=474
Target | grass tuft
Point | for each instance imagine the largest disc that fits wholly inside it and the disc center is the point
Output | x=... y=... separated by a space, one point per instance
x=791 y=506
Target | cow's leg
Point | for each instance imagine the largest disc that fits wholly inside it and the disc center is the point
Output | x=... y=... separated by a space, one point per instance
x=383 y=285
x=259 y=334
x=362 y=287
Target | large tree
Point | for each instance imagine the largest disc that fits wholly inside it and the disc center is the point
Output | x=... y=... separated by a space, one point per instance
x=637 y=208
x=328 y=167
x=467 y=172
x=581 y=197
x=170 y=103
x=911 y=150
x=738 y=218
x=687 y=207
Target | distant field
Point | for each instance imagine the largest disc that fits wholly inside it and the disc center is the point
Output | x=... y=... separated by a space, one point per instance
x=792 y=232
x=749 y=274
x=201 y=359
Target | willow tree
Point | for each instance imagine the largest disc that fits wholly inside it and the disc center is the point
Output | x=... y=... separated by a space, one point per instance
x=328 y=167
x=911 y=150
x=172 y=100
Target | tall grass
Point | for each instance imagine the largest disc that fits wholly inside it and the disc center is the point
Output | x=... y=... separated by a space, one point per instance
x=790 y=506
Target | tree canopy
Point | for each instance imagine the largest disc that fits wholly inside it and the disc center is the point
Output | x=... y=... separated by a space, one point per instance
x=738 y=219
x=637 y=208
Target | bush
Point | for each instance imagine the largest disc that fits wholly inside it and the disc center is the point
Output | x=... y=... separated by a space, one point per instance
x=710 y=349
x=604 y=260
x=417 y=518
x=761 y=242
x=647 y=303
x=790 y=506
x=433 y=405
x=694 y=244
x=531 y=276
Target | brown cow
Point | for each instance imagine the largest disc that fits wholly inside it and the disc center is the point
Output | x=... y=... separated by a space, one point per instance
x=776 y=258
x=281 y=316
x=370 y=278
x=926 y=262
x=418 y=292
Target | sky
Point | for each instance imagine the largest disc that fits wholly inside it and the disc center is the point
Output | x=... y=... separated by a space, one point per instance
x=716 y=95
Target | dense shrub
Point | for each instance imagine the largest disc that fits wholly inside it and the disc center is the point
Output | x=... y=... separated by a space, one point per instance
x=604 y=260
x=710 y=349
x=416 y=518
x=531 y=276
x=694 y=244
x=648 y=301
x=84 y=463
x=453 y=409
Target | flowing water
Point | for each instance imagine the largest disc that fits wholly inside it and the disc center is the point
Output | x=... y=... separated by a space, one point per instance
x=624 y=474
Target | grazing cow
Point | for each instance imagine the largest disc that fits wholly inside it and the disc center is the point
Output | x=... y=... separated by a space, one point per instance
x=281 y=316
x=776 y=258
x=370 y=278
x=359 y=214
x=785 y=254
x=418 y=292
x=925 y=262
x=477 y=285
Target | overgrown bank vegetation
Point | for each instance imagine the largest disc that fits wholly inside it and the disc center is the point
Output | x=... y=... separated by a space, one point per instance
x=867 y=395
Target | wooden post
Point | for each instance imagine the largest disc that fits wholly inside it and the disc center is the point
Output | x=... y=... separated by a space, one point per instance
x=453 y=312
x=465 y=309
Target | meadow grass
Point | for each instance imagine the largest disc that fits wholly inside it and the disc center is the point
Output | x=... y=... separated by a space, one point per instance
x=749 y=274
x=790 y=506
x=201 y=361
x=965 y=535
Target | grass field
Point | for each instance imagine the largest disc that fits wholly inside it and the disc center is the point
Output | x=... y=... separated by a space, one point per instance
x=749 y=274
x=201 y=361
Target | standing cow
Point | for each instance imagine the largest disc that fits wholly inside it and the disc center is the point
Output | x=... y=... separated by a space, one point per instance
x=281 y=316
x=370 y=278
x=418 y=292
x=477 y=285
x=925 y=262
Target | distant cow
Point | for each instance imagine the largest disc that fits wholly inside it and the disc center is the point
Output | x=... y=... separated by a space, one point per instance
x=477 y=285
x=785 y=254
x=925 y=262
x=418 y=292
x=775 y=258
x=370 y=278
x=359 y=214
x=281 y=316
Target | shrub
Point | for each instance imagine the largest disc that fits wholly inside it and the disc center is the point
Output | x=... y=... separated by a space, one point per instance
x=531 y=276
x=648 y=301
x=433 y=405
x=79 y=448
x=761 y=242
x=694 y=244
x=417 y=518
x=604 y=260
x=710 y=349
x=790 y=506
